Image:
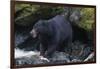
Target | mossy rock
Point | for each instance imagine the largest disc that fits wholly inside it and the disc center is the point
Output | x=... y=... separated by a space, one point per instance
x=27 y=14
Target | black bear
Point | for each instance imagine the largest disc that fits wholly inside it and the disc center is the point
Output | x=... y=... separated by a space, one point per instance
x=52 y=33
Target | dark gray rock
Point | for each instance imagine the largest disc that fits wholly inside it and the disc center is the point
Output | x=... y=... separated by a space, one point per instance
x=60 y=56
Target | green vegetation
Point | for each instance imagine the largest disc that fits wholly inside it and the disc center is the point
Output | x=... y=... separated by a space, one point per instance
x=87 y=18
x=28 y=14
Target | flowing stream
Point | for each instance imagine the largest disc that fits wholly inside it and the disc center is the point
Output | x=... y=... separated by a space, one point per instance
x=26 y=52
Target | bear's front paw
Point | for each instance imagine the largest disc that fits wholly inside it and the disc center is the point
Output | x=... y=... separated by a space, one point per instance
x=43 y=58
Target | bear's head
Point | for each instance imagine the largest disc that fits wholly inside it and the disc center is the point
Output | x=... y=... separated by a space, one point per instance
x=40 y=27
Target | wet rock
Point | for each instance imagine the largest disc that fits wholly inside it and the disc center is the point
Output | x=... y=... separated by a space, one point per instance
x=60 y=56
x=19 y=38
x=76 y=60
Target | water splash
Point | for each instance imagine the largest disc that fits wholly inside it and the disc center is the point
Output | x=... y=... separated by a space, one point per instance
x=21 y=53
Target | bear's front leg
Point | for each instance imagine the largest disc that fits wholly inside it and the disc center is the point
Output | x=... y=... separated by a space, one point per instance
x=42 y=50
x=51 y=49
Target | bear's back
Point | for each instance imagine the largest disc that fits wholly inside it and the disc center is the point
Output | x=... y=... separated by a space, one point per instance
x=62 y=26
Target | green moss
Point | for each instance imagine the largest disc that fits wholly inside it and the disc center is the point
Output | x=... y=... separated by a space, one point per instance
x=87 y=18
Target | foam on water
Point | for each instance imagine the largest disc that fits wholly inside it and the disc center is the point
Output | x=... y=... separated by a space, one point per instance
x=21 y=53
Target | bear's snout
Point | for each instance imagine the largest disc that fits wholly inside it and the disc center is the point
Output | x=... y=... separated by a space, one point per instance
x=33 y=33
